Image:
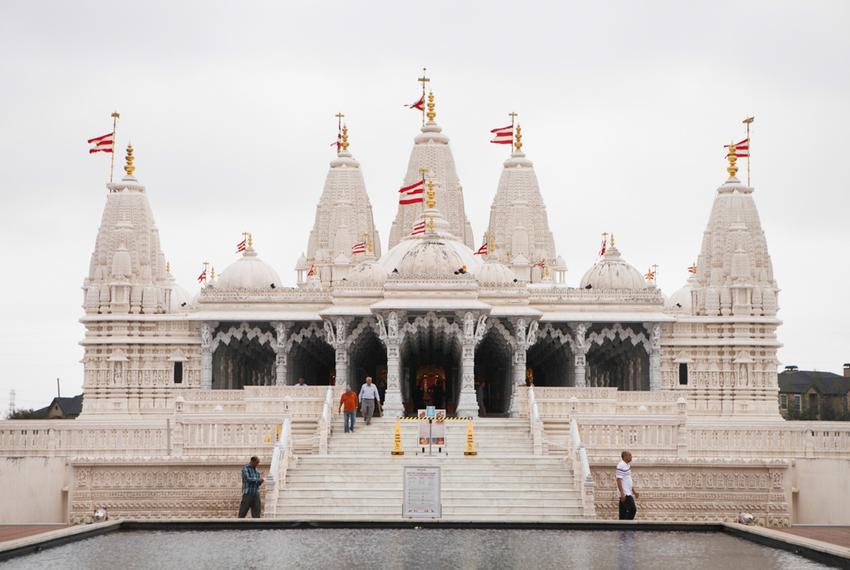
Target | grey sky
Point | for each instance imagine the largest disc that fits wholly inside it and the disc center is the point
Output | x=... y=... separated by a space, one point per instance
x=624 y=107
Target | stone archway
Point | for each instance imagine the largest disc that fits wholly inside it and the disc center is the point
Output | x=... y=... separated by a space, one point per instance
x=368 y=356
x=618 y=357
x=550 y=360
x=309 y=356
x=494 y=372
x=431 y=363
x=242 y=356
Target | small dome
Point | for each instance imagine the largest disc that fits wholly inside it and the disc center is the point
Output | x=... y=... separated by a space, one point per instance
x=367 y=273
x=681 y=300
x=180 y=299
x=560 y=264
x=494 y=272
x=431 y=258
x=248 y=272
x=613 y=272
x=301 y=264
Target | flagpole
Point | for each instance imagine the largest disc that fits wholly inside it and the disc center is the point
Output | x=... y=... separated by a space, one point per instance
x=513 y=130
x=424 y=79
x=115 y=116
x=747 y=122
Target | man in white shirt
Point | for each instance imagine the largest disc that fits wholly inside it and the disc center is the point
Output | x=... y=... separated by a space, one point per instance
x=301 y=382
x=369 y=398
x=628 y=494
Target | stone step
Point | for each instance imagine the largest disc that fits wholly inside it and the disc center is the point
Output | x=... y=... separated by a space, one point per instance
x=454 y=502
x=313 y=492
x=492 y=513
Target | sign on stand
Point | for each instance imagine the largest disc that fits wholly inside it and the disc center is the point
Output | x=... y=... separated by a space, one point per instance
x=422 y=493
x=432 y=429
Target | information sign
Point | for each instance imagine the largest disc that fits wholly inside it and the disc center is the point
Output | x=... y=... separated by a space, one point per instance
x=422 y=492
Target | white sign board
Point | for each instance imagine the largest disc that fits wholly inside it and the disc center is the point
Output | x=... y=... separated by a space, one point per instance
x=422 y=493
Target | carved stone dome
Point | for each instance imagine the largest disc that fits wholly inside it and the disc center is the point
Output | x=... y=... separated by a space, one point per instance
x=367 y=273
x=613 y=272
x=431 y=258
x=248 y=272
x=494 y=272
x=682 y=300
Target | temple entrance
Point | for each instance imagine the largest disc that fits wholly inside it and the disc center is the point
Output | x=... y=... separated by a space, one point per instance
x=368 y=357
x=310 y=357
x=430 y=369
x=243 y=356
x=493 y=374
x=619 y=361
x=550 y=359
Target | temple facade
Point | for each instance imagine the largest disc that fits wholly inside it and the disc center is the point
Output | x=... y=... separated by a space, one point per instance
x=430 y=319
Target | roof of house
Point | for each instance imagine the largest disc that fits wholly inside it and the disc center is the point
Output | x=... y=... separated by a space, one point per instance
x=826 y=383
x=70 y=406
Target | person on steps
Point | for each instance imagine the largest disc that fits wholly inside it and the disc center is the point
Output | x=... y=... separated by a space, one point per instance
x=628 y=508
x=369 y=398
x=348 y=406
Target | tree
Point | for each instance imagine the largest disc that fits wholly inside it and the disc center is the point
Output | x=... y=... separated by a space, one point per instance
x=28 y=414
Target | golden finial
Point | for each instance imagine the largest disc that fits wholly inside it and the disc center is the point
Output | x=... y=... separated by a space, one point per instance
x=168 y=267
x=491 y=246
x=129 y=168
x=431 y=200
x=518 y=137
x=431 y=114
x=115 y=115
x=344 y=144
x=368 y=238
x=612 y=241
x=693 y=268
x=250 y=239
x=732 y=157
x=212 y=273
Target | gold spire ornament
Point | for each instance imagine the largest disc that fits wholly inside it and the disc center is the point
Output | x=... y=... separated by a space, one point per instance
x=431 y=113
x=431 y=199
x=518 y=138
x=129 y=168
x=168 y=267
x=732 y=157
x=249 y=238
x=613 y=244
x=344 y=143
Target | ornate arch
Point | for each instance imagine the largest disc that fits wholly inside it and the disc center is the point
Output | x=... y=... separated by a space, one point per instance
x=365 y=324
x=312 y=329
x=243 y=330
x=501 y=330
x=618 y=330
x=556 y=334
x=429 y=320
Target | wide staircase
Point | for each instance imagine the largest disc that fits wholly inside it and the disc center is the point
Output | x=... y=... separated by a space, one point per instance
x=360 y=480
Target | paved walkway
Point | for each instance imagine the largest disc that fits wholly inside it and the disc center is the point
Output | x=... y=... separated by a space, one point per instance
x=15 y=531
x=839 y=535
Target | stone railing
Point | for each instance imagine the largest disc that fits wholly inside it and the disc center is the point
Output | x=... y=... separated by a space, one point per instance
x=326 y=421
x=606 y=437
x=568 y=295
x=225 y=436
x=276 y=477
x=535 y=423
x=562 y=403
x=73 y=438
x=298 y=402
x=581 y=471
x=786 y=439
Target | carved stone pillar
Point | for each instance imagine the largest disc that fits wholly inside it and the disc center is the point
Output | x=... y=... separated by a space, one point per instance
x=392 y=397
x=280 y=360
x=206 y=355
x=337 y=337
x=655 y=357
x=467 y=404
x=580 y=346
x=341 y=365
x=392 y=338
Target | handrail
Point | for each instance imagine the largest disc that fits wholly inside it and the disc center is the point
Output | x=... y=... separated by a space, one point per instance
x=276 y=477
x=585 y=480
x=326 y=421
x=535 y=422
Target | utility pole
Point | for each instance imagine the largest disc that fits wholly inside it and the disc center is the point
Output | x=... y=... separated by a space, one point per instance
x=58 y=392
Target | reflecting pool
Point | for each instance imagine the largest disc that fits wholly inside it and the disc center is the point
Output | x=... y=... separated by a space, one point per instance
x=344 y=549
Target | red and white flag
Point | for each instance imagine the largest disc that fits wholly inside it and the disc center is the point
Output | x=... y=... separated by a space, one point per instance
x=412 y=194
x=419 y=105
x=102 y=143
x=418 y=229
x=504 y=135
x=604 y=247
x=338 y=142
x=742 y=149
x=541 y=264
x=240 y=247
x=358 y=248
x=483 y=249
x=203 y=276
x=312 y=271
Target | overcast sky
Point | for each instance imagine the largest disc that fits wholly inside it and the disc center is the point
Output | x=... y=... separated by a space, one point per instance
x=230 y=107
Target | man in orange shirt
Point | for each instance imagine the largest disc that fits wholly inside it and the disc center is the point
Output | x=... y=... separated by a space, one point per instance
x=348 y=406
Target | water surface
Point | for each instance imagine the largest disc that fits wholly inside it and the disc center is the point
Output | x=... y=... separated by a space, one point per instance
x=427 y=549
